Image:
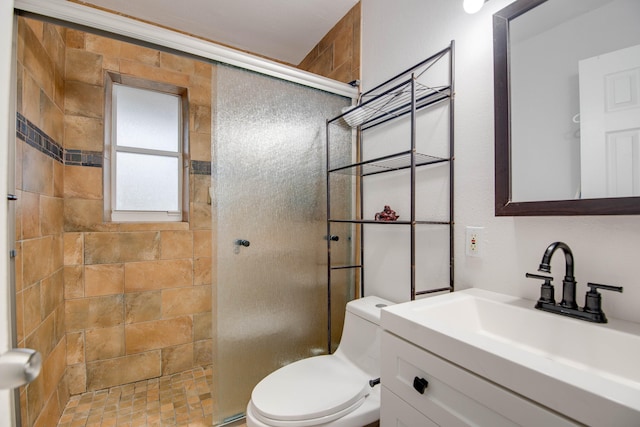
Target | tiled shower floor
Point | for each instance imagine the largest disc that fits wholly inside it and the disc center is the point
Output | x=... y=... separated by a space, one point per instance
x=180 y=400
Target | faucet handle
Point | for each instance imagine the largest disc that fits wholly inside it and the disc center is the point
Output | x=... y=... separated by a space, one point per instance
x=546 y=290
x=593 y=301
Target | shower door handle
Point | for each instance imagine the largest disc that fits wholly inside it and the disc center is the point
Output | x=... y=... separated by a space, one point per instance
x=19 y=367
x=241 y=242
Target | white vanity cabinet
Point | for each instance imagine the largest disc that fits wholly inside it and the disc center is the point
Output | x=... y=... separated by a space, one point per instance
x=455 y=396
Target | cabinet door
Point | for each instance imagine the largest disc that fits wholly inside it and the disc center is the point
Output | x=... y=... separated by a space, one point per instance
x=454 y=396
x=397 y=412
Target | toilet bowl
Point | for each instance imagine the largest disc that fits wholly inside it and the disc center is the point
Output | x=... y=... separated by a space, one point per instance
x=337 y=390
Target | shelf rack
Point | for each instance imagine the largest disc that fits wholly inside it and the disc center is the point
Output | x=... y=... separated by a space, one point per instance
x=403 y=94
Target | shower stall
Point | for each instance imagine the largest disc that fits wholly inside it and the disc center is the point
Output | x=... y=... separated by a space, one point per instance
x=240 y=289
x=269 y=201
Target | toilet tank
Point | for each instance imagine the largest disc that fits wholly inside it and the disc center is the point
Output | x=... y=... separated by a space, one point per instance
x=360 y=342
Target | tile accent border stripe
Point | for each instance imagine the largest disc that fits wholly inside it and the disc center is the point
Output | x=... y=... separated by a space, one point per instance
x=36 y=138
x=199 y=167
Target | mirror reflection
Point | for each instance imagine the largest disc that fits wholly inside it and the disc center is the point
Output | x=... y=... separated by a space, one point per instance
x=575 y=100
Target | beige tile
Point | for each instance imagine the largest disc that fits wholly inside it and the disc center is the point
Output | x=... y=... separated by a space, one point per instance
x=176 y=244
x=60 y=322
x=140 y=54
x=143 y=276
x=83 y=133
x=53 y=367
x=202 y=242
x=30 y=213
x=51 y=119
x=57 y=258
x=202 y=326
x=109 y=248
x=177 y=63
x=37 y=256
x=202 y=271
x=52 y=292
x=97 y=312
x=58 y=179
x=201 y=185
x=103 y=279
x=83 y=182
x=200 y=91
x=37 y=62
x=35 y=399
x=73 y=248
x=102 y=45
x=50 y=413
x=18 y=267
x=153 y=73
x=143 y=306
x=203 y=69
x=75 y=347
x=200 y=118
x=200 y=216
x=73 y=282
x=202 y=353
x=54 y=45
x=177 y=359
x=58 y=89
x=83 y=66
x=43 y=337
x=75 y=38
x=104 y=343
x=77 y=378
x=37 y=172
x=141 y=337
x=182 y=301
x=82 y=214
x=19 y=316
x=32 y=308
x=30 y=98
x=82 y=99
x=51 y=215
x=123 y=370
x=200 y=146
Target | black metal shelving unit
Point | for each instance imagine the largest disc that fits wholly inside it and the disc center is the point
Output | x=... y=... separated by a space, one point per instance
x=405 y=94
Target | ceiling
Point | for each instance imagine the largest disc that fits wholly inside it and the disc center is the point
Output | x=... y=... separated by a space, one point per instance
x=285 y=30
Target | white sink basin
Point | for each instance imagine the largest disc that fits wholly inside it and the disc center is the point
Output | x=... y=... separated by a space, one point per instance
x=588 y=372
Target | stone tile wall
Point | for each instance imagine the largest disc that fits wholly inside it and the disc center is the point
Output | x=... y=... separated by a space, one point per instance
x=138 y=295
x=40 y=310
x=105 y=304
x=337 y=55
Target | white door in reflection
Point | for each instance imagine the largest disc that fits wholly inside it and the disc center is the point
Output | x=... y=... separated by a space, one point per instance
x=610 y=124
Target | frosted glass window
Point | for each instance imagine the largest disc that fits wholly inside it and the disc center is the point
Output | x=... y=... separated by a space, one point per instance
x=147 y=183
x=147 y=119
x=146 y=157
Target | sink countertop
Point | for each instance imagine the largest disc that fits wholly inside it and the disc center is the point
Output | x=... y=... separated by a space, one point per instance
x=589 y=372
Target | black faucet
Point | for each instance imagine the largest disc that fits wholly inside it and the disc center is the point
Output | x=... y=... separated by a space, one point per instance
x=568 y=307
x=569 y=282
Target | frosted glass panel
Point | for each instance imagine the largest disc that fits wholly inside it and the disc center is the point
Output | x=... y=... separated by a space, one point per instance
x=269 y=158
x=146 y=182
x=147 y=119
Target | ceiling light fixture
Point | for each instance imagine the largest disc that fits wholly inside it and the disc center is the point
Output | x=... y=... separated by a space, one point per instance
x=472 y=6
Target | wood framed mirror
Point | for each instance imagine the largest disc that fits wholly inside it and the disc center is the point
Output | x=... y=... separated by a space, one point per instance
x=545 y=21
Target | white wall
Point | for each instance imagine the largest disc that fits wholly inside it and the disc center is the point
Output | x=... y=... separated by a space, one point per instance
x=397 y=35
x=6 y=29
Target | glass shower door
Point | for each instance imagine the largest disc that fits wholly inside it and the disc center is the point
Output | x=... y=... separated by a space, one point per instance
x=270 y=307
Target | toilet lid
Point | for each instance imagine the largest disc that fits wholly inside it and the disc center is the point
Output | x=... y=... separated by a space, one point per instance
x=310 y=388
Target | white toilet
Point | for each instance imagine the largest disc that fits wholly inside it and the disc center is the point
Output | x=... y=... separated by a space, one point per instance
x=333 y=390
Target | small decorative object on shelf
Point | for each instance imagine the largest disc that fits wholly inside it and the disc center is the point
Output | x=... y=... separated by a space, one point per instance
x=387 y=214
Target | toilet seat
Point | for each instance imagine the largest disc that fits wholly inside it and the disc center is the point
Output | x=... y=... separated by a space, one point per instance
x=331 y=389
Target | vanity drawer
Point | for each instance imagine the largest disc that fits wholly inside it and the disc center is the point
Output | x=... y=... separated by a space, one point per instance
x=396 y=412
x=454 y=396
